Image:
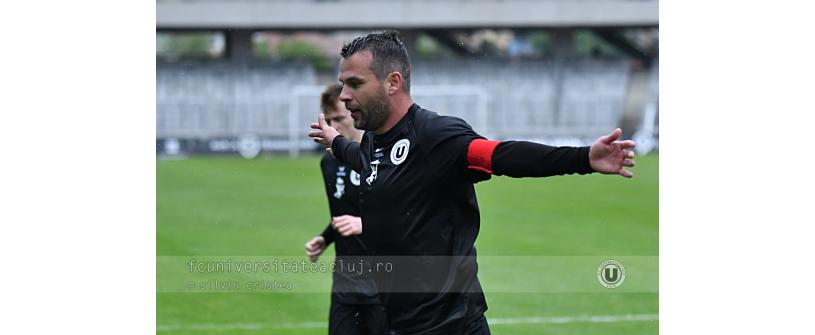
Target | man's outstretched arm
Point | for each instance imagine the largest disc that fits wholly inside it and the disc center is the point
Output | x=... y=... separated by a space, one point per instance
x=343 y=149
x=346 y=151
x=527 y=159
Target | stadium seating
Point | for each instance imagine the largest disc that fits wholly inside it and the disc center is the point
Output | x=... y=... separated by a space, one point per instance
x=207 y=100
x=523 y=98
x=526 y=101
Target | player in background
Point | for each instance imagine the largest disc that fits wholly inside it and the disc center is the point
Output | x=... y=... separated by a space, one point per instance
x=355 y=308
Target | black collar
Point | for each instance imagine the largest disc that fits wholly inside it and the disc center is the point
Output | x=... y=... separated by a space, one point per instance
x=397 y=132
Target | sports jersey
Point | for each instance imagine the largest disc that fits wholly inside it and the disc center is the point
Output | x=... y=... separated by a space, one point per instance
x=342 y=189
x=418 y=202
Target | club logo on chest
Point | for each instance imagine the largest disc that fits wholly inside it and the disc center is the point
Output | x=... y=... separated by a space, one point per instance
x=400 y=151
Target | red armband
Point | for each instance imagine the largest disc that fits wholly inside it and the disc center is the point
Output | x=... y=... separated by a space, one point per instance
x=479 y=155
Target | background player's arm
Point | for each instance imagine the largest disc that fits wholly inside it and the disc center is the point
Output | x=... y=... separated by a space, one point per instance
x=347 y=225
x=315 y=247
x=328 y=234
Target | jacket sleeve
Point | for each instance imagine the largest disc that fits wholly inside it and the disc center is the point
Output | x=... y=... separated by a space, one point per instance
x=347 y=151
x=328 y=181
x=328 y=234
x=526 y=159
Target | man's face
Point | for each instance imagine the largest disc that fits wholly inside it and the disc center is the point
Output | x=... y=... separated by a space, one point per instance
x=340 y=118
x=362 y=93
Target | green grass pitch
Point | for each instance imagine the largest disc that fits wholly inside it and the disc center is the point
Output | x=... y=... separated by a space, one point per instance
x=271 y=206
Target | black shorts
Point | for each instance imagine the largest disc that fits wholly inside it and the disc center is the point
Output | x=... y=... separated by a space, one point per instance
x=356 y=319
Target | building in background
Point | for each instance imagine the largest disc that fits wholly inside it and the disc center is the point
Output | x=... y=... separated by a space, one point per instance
x=243 y=76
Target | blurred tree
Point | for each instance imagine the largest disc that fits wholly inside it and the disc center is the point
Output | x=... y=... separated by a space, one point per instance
x=541 y=42
x=260 y=48
x=300 y=50
x=174 y=46
x=427 y=47
x=588 y=44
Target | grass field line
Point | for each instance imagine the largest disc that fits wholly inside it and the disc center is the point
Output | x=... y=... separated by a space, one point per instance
x=491 y=321
x=573 y=319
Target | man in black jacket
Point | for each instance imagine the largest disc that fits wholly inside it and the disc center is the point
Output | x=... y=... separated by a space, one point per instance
x=417 y=197
x=355 y=308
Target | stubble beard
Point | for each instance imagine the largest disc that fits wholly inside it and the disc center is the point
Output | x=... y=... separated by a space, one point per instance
x=375 y=113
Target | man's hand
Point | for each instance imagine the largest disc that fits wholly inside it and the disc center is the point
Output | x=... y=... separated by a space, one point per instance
x=315 y=248
x=323 y=133
x=609 y=156
x=347 y=225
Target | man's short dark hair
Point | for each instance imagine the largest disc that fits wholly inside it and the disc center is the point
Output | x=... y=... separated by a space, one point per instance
x=328 y=100
x=389 y=54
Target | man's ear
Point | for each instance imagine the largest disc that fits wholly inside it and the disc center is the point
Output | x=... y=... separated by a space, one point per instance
x=394 y=82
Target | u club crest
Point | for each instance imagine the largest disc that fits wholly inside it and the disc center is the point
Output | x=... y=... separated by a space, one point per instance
x=399 y=152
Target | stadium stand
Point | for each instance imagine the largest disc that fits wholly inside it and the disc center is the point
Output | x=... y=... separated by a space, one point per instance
x=210 y=100
x=524 y=99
